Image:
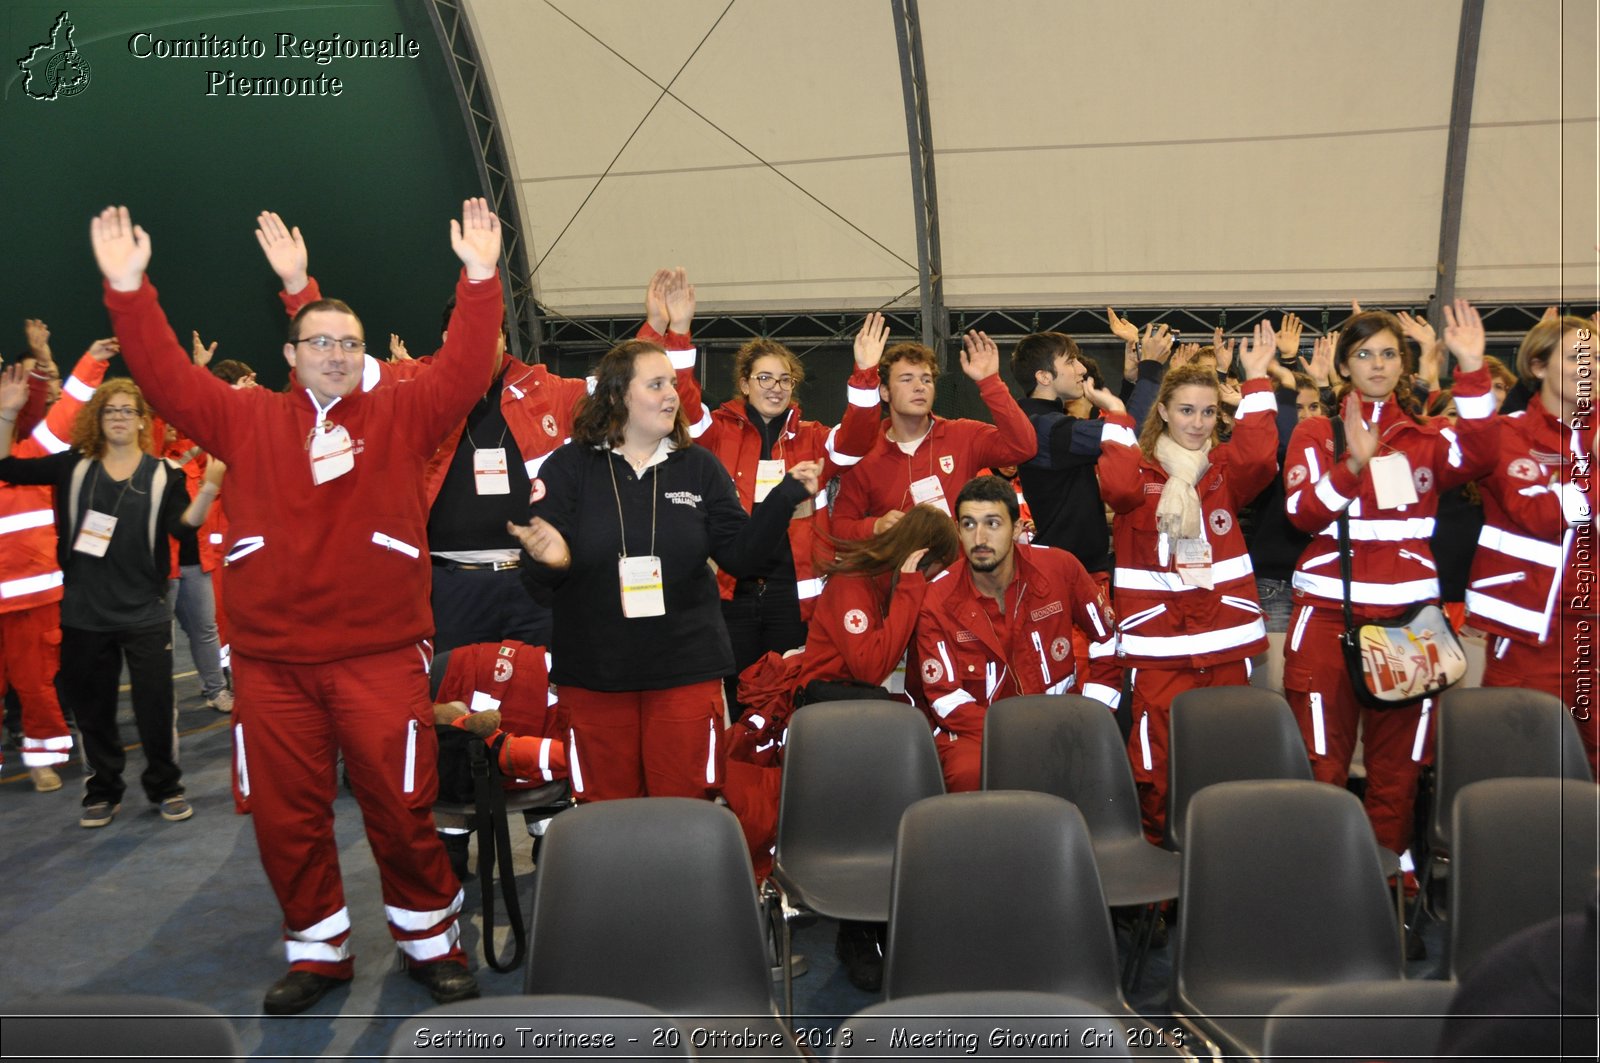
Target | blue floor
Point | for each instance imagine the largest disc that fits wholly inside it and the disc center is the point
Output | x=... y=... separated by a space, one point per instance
x=183 y=910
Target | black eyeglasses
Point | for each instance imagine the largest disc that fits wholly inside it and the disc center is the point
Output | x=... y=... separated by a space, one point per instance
x=767 y=380
x=350 y=345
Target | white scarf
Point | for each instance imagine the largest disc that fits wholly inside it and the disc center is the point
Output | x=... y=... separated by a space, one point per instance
x=1178 y=512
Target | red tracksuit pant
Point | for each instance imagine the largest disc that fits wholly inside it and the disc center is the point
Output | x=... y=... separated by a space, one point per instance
x=645 y=743
x=1395 y=742
x=30 y=656
x=1153 y=691
x=1555 y=669
x=291 y=722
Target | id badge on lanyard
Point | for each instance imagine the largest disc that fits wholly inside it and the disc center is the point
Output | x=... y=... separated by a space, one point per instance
x=769 y=474
x=489 y=476
x=331 y=452
x=94 y=538
x=1391 y=479
x=929 y=490
x=640 y=578
x=1193 y=562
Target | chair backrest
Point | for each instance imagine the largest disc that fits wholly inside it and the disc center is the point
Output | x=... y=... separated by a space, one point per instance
x=549 y=1027
x=1226 y=734
x=1281 y=887
x=1360 y=1020
x=962 y=1025
x=850 y=768
x=1525 y=852
x=1067 y=745
x=998 y=890
x=650 y=899
x=84 y=1026
x=1498 y=733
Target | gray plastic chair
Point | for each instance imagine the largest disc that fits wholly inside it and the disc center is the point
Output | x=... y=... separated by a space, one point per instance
x=998 y=891
x=1070 y=746
x=1226 y=734
x=850 y=769
x=942 y=1025
x=548 y=1027
x=653 y=900
x=1360 y=1020
x=1495 y=733
x=82 y=1026
x=1525 y=852
x=1282 y=892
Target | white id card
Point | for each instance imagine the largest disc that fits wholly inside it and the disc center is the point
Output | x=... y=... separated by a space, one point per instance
x=489 y=475
x=769 y=474
x=1391 y=478
x=1193 y=562
x=94 y=538
x=641 y=586
x=331 y=454
x=929 y=490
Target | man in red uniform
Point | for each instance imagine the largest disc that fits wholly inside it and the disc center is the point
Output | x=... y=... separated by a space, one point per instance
x=1532 y=585
x=328 y=592
x=999 y=625
x=923 y=458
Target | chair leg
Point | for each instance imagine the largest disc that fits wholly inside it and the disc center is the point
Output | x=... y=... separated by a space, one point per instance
x=783 y=942
x=1139 y=948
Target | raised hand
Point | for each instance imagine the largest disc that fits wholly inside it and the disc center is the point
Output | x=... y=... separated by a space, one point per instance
x=1417 y=328
x=1121 y=327
x=202 y=353
x=870 y=339
x=1289 y=336
x=809 y=473
x=1320 y=367
x=1157 y=343
x=1228 y=393
x=13 y=390
x=1259 y=351
x=1184 y=354
x=542 y=542
x=655 y=300
x=397 y=349
x=1464 y=335
x=1361 y=439
x=106 y=349
x=1355 y=306
x=1224 y=351
x=285 y=249
x=476 y=239
x=980 y=356
x=680 y=302
x=1430 y=365
x=1102 y=398
x=38 y=334
x=215 y=471
x=121 y=249
x=887 y=521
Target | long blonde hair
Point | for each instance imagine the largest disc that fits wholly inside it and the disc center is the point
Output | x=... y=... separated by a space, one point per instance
x=1183 y=376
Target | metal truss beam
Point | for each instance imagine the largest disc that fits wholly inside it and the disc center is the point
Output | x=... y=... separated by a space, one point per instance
x=495 y=177
x=934 y=328
x=1455 y=165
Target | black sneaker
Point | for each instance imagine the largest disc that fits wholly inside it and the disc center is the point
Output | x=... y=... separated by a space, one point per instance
x=447 y=980
x=297 y=991
x=859 y=947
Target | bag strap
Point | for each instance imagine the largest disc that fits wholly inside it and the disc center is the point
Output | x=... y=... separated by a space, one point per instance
x=494 y=836
x=74 y=492
x=1344 y=529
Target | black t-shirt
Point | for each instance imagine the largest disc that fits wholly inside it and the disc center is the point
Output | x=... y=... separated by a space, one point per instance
x=462 y=519
x=125 y=589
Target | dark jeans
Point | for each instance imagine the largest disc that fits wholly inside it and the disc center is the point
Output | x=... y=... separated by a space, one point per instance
x=482 y=605
x=91 y=667
x=763 y=615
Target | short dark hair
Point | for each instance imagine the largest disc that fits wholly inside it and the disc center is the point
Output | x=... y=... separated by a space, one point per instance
x=989 y=489
x=230 y=370
x=1037 y=352
x=337 y=306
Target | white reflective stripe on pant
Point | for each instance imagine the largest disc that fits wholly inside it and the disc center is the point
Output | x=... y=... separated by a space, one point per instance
x=300 y=951
x=423 y=950
x=1319 y=737
x=241 y=767
x=331 y=927
x=412 y=921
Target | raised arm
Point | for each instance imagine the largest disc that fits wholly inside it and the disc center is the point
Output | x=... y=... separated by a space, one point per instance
x=857 y=432
x=1253 y=450
x=1011 y=439
x=669 y=304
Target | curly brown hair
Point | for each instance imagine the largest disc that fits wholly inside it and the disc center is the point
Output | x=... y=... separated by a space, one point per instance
x=756 y=349
x=915 y=353
x=1183 y=376
x=603 y=415
x=88 y=431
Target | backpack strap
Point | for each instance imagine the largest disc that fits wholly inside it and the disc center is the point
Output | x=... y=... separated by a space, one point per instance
x=494 y=837
x=158 y=490
x=74 y=493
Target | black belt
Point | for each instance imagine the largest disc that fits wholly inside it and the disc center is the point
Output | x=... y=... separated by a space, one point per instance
x=469 y=566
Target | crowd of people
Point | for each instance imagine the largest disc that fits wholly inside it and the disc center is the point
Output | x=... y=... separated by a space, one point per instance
x=689 y=576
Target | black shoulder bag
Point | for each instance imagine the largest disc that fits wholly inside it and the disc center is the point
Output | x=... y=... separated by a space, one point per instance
x=1402 y=661
x=469 y=773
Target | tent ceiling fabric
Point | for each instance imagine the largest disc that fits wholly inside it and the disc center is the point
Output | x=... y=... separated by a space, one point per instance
x=1151 y=152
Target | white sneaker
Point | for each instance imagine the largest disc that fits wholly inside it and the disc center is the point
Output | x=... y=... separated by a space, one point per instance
x=223 y=702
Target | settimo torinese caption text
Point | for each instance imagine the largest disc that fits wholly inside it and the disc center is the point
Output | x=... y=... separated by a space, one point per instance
x=310 y=56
